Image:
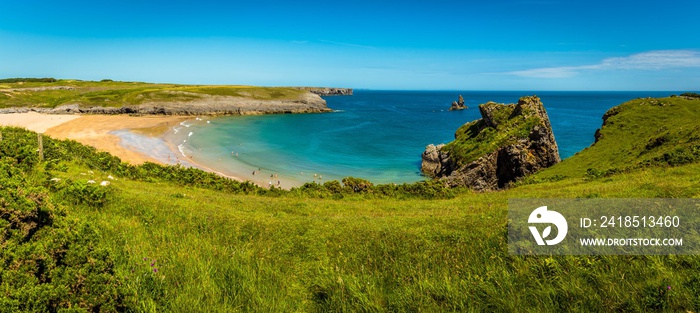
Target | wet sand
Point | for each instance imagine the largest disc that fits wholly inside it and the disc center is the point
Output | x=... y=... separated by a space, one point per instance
x=98 y=131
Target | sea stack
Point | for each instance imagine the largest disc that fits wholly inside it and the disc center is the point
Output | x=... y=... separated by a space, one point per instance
x=507 y=143
x=458 y=105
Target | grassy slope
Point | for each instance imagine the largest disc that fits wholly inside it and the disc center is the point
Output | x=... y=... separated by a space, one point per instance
x=218 y=252
x=117 y=94
x=645 y=132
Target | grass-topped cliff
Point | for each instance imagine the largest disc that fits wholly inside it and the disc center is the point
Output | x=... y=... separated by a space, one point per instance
x=508 y=142
x=638 y=134
x=172 y=239
x=501 y=125
x=111 y=97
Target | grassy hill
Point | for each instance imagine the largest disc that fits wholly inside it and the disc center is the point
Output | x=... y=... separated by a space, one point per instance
x=637 y=134
x=171 y=239
x=51 y=93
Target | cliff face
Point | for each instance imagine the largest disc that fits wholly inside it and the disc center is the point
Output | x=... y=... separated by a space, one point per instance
x=508 y=142
x=326 y=91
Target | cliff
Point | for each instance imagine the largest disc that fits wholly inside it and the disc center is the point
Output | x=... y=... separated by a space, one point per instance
x=638 y=134
x=327 y=91
x=507 y=143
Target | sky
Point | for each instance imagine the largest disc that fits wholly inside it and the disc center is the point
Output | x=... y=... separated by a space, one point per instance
x=418 y=45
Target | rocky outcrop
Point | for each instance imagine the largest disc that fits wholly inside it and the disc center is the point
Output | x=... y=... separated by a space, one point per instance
x=436 y=162
x=512 y=141
x=203 y=105
x=458 y=105
x=326 y=91
x=612 y=112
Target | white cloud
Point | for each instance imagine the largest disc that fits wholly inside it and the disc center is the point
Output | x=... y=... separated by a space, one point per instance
x=548 y=72
x=651 y=60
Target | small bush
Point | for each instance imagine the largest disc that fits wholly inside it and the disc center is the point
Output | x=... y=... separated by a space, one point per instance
x=680 y=156
x=92 y=194
x=356 y=185
x=691 y=95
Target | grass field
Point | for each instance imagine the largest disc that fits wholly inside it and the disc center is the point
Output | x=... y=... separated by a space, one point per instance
x=116 y=94
x=184 y=241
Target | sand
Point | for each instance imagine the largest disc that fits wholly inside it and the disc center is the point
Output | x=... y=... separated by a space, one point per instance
x=33 y=121
x=94 y=130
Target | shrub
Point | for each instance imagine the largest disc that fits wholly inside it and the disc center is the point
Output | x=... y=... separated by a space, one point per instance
x=50 y=263
x=28 y=80
x=333 y=186
x=92 y=194
x=356 y=184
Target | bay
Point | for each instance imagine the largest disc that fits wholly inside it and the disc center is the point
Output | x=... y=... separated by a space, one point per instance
x=375 y=135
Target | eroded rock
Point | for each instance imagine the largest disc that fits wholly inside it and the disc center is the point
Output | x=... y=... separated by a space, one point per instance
x=522 y=140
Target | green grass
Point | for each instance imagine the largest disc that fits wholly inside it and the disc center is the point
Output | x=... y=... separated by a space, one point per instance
x=220 y=247
x=638 y=134
x=218 y=252
x=117 y=94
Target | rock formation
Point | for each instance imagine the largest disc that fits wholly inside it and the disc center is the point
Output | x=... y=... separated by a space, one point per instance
x=507 y=143
x=327 y=91
x=612 y=112
x=458 y=105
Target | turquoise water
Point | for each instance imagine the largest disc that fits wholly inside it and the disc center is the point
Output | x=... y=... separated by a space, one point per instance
x=376 y=135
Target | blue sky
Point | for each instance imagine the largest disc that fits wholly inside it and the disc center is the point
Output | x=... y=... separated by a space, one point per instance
x=465 y=45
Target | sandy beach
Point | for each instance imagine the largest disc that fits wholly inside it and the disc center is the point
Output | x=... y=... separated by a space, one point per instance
x=134 y=139
x=96 y=130
x=35 y=121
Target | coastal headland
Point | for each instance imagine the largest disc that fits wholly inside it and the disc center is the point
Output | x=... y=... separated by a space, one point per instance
x=135 y=98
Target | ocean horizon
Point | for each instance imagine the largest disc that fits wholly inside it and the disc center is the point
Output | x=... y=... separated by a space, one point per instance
x=378 y=135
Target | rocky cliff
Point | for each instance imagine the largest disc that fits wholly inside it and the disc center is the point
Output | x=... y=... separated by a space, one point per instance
x=326 y=91
x=508 y=142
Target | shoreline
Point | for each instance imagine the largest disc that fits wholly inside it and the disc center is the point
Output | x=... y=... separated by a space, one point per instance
x=177 y=138
x=133 y=139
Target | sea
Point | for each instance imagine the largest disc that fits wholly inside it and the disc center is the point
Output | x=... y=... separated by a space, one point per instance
x=373 y=134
